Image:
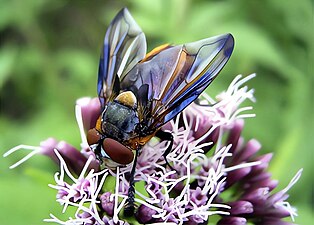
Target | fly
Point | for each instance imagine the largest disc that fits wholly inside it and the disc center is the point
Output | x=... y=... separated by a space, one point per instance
x=140 y=92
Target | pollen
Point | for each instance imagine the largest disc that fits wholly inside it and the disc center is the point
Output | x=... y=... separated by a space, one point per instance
x=127 y=98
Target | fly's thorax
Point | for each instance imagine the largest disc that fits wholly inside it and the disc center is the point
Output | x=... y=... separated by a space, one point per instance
x=120 y=121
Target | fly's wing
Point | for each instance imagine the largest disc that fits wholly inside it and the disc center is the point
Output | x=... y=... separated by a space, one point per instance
x=124 y=46
x=174 y=77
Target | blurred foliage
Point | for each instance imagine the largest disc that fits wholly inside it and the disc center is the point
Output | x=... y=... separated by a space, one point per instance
x=49 y=57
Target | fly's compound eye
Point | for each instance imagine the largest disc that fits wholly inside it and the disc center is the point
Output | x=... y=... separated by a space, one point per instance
x=93 y=136
x=117 y=152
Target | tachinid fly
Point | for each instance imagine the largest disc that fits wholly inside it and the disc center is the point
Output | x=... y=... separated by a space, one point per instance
x=139 y=93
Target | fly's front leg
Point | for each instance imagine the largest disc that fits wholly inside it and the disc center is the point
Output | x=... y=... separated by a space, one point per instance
x=166 y=136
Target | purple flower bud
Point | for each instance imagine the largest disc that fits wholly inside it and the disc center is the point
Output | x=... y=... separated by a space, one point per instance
x=230 y=220
x=197 y=197
x=195 y=219
x=155 y=189
x=273 y=221
x=264 y=181
x=106 y=203
x=47 y=148
x=236 y=175
x=261 y=176
x=264 y=159
x=89 y=220
x=235 y=134
x=110 y=221
x=241 y=207
x=145 y=214
x=270 y=211
x=90 y=108
x=251 y=147
x=256 y=196
x=64 y=192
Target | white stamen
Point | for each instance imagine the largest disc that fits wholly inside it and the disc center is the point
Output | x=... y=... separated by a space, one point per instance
x=86 y=199
x=240 y=166
x=35 y=150
x=232 y=86
x=164 y=223
x=79 y=120
x=219 y=140
x=293 y=180
x=236 y=114
x=238 y=82
x=64 y=167
x=116 y=204
x=208 y=133
x=286 y=205
x=71 y=221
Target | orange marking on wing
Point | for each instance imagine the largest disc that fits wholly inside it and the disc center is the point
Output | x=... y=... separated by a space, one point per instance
x=98 y=124
x=155 y=51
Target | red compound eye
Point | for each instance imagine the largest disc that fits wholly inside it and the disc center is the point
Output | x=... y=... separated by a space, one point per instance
x=117 y=152
x=93 y=136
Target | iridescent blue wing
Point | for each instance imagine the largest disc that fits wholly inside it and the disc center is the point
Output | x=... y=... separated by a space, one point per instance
x=171 y=79
x=124 y=46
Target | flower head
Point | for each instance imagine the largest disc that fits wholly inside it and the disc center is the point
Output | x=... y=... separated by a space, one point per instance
x=212 y=171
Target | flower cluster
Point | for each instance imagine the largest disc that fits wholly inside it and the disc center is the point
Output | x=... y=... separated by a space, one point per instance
x=213 y=171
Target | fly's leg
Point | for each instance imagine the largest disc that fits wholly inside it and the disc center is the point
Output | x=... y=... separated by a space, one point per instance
x=98 y=151
x=166 y=136
x=129 y=207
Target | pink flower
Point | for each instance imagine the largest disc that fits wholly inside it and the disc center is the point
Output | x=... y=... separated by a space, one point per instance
x=209 y=158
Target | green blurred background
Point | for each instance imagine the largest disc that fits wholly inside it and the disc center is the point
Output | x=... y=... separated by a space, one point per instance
x=49 y=58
